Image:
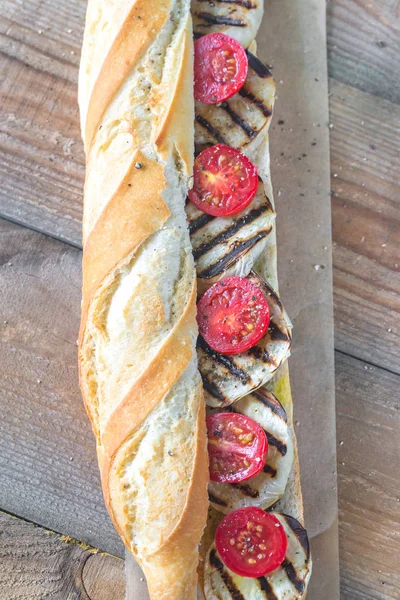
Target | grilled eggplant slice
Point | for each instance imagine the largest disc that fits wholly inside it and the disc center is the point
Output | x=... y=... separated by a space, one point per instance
x=240 y=19
x=226 y=378
x=225 y=246
x=267 y=487
x=238 y=121
x=287 y=582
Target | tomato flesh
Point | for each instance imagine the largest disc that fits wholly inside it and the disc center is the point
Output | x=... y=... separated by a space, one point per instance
x=225 y=181
x=237 y=447
x=220 y=68
x=233 y=315
x=251 y=542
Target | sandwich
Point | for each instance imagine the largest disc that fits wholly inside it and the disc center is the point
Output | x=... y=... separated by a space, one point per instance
x=184 y=339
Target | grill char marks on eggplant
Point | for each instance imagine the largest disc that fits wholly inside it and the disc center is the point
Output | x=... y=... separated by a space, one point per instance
x=240 y=19
x=300 y=533
x=210 y=19
x=238 y=121
x=288 y=581
x=265 y=489
x=225 y=575
x=254 y=372
x=225 y=246
x=267 y=398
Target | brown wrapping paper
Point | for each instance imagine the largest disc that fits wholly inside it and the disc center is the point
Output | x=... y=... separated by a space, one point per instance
x=292 y=40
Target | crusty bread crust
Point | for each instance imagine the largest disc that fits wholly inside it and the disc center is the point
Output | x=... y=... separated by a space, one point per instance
x=137 y=357
x=133 y=37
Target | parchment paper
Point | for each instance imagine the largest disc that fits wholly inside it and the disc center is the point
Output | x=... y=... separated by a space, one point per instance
x=292 y=40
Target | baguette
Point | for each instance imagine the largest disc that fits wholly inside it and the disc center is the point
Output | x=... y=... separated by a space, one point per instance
x=137 y=356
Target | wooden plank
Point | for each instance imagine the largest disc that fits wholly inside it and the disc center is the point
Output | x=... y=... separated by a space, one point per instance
x=48 y=464
x=103 y=577
x=365 y=159
x=368 y=430
x=41 y=155
x=38 y=564
x=364 y=45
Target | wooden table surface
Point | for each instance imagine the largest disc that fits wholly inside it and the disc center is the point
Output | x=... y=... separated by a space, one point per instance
x=42 y=169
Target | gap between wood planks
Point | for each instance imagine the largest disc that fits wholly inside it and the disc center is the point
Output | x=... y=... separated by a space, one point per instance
x=366 y=363
x=364 y=45
x=38 y=230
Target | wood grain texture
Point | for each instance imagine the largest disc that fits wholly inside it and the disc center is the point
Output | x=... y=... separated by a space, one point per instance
x=365 y=162
x=38 y=564
x=41 y=154
x=368 y=430
x=103 y=577
x=364 y=45
x=47 y=453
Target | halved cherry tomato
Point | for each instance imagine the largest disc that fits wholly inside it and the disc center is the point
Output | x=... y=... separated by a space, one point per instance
x=220 y=67
x=233 y=315
x=237 y=447
x=251 y=542
x=225 y=181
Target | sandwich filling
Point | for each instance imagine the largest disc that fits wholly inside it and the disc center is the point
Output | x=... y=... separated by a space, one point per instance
x=245 y=333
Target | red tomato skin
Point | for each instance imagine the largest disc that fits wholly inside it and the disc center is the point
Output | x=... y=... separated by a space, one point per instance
x=205 y=315
x=209 y=66
x=256 y=455
x=273 y=537
x=238 y=193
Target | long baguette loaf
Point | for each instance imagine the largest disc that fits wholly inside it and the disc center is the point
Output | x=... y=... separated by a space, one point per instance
x=138 y=366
